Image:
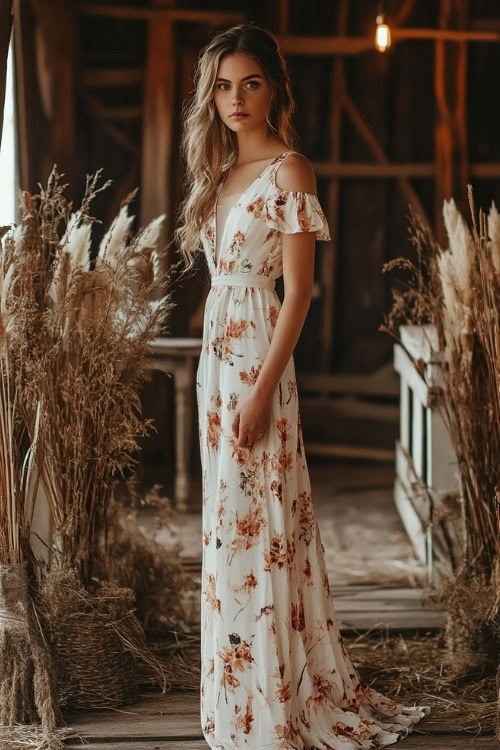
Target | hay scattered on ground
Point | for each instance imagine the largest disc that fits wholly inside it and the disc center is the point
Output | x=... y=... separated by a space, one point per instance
x=413 y=668
x=23 y=737
x=409 y=668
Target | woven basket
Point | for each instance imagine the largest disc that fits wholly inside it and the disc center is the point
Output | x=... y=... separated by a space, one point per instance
x=94 y=669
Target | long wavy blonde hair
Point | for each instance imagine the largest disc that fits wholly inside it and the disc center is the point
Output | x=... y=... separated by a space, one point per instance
x=208 y=147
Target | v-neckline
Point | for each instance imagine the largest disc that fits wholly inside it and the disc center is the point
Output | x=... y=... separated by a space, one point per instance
x=231 y=209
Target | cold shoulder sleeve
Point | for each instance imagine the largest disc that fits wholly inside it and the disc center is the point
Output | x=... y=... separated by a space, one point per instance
x=291 y=211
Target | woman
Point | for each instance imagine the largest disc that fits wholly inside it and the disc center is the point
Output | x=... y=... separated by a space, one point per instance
x=275 y=672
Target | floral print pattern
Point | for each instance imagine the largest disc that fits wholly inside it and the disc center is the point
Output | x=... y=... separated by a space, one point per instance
x=275 y=672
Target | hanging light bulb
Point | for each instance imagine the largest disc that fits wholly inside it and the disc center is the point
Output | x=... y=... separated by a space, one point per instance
x=382 y=34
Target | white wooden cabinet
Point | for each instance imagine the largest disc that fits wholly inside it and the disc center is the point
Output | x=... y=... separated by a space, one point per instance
x=426 y=466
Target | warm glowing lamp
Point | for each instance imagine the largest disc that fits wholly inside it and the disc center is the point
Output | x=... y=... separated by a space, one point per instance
x=382 y=35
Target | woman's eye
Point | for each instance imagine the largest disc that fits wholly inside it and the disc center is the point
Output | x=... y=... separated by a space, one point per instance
x=249 y=84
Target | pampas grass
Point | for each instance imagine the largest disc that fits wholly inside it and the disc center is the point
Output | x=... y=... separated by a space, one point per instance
x=82 y=330
x=75 y=326
x=457 y=289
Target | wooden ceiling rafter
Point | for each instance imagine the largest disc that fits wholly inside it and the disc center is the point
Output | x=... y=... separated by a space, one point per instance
x=323 y=46
x=125 y=12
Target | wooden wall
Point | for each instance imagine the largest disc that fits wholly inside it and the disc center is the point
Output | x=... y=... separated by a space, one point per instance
x=103 y=84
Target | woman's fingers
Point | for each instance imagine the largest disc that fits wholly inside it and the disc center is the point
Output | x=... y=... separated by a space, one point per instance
x=246 y=439
x=243 y=434
x=236 y=425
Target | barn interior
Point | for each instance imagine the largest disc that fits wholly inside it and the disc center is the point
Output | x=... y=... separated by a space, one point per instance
x=390 y=131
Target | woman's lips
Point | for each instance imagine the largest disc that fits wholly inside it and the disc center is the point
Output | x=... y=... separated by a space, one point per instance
x=238 y=115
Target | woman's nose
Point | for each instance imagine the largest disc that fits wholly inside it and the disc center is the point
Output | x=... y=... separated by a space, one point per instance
x=237 y=96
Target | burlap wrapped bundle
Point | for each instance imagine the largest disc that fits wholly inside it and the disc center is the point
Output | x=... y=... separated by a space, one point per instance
x=27 y=675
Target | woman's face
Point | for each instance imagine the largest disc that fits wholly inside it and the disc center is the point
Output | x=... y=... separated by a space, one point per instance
x=241 y=87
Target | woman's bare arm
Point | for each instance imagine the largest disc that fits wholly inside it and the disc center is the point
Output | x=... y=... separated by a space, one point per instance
x=295 y=173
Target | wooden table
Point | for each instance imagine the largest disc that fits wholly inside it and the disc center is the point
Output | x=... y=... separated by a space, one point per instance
x=178 y=357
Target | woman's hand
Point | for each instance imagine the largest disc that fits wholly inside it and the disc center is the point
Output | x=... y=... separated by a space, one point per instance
x=251 y=420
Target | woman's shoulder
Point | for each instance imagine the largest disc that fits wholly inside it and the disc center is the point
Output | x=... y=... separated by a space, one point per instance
x=295 y=173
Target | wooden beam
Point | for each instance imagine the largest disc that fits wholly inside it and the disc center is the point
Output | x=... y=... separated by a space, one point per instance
x=488 y=170
x=54 y=41
x=25 y=94
x=374 y=170
x=329 y=252
x=351 y=45
x=5 y=29
x=115 y=112
x=394 y=170
x=450 y=135
x=156 y=193
x=172 y=15
x=326 y=45
x=371 y=140
x=101 y=77
x=121 y=138
x=284 y=15
x=446 y=35
x=402 y=14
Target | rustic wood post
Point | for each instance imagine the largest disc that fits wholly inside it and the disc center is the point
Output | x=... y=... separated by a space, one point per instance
x=5 y=29
x=44 y=35
x=156 y=195
x=450 y=82
x=329 y=251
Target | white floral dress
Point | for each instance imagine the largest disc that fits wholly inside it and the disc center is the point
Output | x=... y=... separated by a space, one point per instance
x=275 y=673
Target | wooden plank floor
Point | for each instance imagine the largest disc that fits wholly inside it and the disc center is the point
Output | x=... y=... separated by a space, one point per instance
x=374 y=579
x=367 y=606
x=172 y=722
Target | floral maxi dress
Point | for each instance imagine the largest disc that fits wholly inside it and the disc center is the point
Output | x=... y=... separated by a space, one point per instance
x=275 y=672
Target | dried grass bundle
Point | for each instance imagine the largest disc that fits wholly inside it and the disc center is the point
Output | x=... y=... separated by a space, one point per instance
x=458 y=291
x=80 y=335
x=164 y=590
x=27 y=688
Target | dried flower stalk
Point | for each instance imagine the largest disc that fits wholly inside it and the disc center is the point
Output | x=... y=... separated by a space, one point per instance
x=458 y=291
x=80 y=335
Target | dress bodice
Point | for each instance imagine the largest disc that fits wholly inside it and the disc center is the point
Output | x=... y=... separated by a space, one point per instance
x=222 y=212
x=249 y=240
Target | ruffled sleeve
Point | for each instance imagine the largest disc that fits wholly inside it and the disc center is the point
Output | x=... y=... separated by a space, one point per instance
x=290 y=212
